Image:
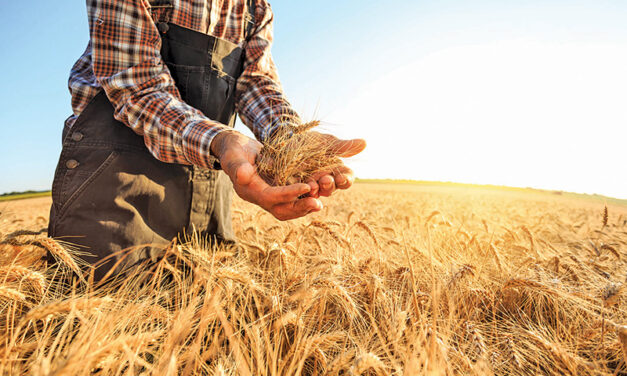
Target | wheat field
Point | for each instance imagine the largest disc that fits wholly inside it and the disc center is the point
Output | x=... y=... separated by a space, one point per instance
x=386 y=280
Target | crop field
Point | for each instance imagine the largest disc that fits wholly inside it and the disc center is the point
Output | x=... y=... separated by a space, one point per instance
x=389 y=279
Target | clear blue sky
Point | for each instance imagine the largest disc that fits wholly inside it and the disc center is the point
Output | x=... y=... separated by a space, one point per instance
x=521 y=93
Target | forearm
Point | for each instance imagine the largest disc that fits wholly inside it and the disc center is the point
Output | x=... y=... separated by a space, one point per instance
x=261 y=102
x=127 y=64
x=264 y=108
x=173 y=131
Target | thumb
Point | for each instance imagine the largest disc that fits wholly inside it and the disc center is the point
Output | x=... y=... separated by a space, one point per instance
x=244 y=173
x=239 y=170
x=349 y=148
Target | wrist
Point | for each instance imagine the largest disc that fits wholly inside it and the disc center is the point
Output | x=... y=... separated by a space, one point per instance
x=220 y=142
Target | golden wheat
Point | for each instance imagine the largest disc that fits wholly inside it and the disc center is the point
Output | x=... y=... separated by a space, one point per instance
x=10 y=294
x=293 y=154
x=378 y=283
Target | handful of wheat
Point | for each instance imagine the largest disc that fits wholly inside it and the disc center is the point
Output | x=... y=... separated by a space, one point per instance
x=294 y=154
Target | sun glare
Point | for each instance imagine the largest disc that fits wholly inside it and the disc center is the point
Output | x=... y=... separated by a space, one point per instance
x=518 y=113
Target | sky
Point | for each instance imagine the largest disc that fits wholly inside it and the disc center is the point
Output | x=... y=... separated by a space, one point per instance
x=519 y=93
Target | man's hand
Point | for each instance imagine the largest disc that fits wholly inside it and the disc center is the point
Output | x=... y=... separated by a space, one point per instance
x=237 y=154
x=326 y=182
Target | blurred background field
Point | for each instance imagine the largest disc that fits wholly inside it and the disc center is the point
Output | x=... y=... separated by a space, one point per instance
x=387 y=279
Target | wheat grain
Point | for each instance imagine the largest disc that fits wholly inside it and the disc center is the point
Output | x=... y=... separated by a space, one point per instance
x=321 y=225
x=497 y=259
x=512 y=355
x=306 y=127
x=288 y=237
x=398 y=326
x=478 y=347
x=8 y=293
x=573 y=274
x=566 y=359
x=611 y=249
x=433 y=214
x=461 y=273
x=611 y=294
x=366 y=361
x=350 y=217
x=288 y=318
x=530 y=237
x=22 y=273
x=59 y=253
x=369 y=231
x=341 y=362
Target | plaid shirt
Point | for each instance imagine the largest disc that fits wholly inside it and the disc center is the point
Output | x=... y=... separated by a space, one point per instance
x=123 y=58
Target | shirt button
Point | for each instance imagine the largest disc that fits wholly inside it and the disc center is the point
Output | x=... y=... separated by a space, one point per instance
x=77 y=136
x=72 y=163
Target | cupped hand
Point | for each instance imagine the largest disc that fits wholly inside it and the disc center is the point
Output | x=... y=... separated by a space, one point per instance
x=237 y=154
x=326 y=182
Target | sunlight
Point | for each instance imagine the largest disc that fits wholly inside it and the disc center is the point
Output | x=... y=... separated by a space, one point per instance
x=517 y=113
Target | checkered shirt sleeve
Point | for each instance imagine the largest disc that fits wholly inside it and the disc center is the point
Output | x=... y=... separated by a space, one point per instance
x=123 y=58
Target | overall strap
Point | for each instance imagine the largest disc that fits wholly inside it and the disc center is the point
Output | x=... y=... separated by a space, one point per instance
x=162 y=11
x=250 y=19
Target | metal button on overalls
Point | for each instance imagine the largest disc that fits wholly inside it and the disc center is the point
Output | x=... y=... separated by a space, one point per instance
x=71 y=164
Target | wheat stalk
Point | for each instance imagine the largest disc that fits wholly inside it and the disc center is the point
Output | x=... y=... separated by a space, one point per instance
x=622 y=339
x=293 y=154
x=611 y=249
x=65 y=306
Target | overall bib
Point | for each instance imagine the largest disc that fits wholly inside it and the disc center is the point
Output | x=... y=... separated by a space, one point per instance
x=109 y=192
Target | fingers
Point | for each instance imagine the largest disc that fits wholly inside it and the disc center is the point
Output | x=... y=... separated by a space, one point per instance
x=285 y=194
x=251 y=187
x=314 y=188
x=296 y=209
x=349 y=148
x=343 y=177
x=284 y=202
x=238 y=156
x=327 y=185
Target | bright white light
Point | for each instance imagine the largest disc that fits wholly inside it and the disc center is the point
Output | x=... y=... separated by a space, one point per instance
x=516 y=113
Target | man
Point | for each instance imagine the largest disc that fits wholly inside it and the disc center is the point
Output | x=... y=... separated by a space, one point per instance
x=154 y=99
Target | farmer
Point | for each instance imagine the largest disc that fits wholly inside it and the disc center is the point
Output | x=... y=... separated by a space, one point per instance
x=150 y=151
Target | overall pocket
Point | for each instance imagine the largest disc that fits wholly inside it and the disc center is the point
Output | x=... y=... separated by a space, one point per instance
x=205 y=89
x=187 y=79
x=220 y=100
x=88 y=165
